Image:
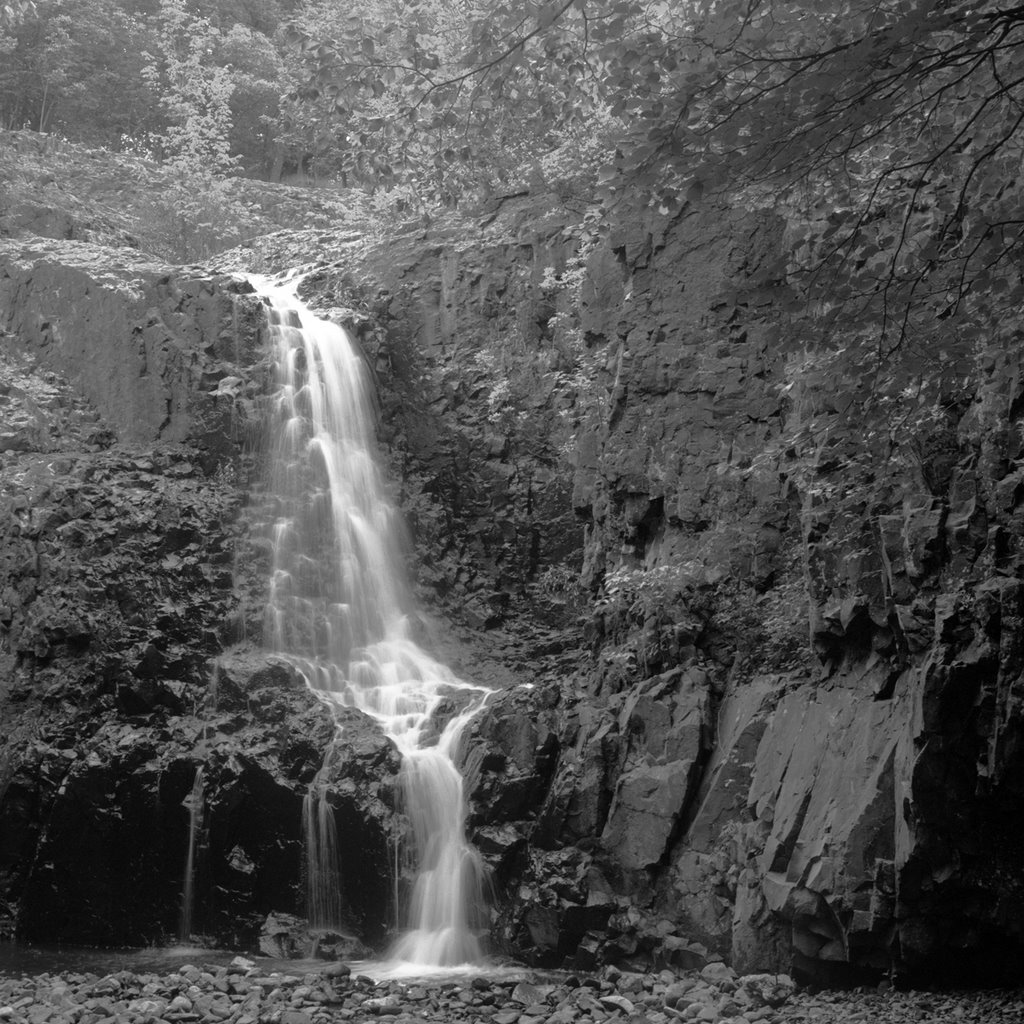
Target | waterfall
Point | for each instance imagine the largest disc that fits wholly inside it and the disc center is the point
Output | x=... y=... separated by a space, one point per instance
x=337 y=612
x=195 y=803
x=324 y=906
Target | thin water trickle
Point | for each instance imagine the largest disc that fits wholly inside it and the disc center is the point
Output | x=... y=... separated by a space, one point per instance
x=195 y=802
x=325 y=909
x=337 y=612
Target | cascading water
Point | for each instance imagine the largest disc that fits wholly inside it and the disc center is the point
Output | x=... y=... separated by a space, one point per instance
x=336 y=612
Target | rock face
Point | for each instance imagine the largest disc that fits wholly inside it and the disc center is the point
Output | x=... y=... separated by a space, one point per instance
x=149 y=348
x=474 y=423
x=757 y=723
x=794 y=737
x=127 y=589
x=97 y=827
x=132 y=578
x=714 y=788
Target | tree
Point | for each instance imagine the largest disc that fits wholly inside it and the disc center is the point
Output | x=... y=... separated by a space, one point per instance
x=194 y=91
x=903 y=121
x=886 y=133
x=899 y=117
x=198 y=213
x=11 y=14
x=75 y=68
x=256 y=70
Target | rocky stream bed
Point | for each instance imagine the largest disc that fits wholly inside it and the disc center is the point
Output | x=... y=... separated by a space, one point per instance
x=245 y=993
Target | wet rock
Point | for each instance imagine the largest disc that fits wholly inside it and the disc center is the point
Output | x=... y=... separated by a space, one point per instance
x=284 y=936
x=134 y=777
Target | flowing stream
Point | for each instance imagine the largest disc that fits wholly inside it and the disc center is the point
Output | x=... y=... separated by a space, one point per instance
x=337 y=612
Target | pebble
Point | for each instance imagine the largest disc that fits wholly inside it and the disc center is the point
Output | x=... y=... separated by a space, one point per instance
x=243 y=993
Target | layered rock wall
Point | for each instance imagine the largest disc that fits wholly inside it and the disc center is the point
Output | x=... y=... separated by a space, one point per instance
x=128 y=588
x=716 y=790
x=793 y=739
x=147 y=345
x=759 y=722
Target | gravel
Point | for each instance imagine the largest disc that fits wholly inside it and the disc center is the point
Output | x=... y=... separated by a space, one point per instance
x=243 y=993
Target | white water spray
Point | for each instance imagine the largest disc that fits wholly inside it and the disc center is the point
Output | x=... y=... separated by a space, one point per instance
x=336 y=613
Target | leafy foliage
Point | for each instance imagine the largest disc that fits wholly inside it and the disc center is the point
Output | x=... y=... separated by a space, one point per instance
x=466 y=100
x=199 y=213
x=888 y=137
x=12 y=13
x=892 y=143
x=85 y=69
x=193 y=90
x=76 y=68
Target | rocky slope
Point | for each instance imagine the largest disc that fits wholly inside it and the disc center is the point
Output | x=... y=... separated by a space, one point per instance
x=759 y=723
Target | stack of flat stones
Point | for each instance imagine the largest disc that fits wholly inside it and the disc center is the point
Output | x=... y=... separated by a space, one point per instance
x=243 y=993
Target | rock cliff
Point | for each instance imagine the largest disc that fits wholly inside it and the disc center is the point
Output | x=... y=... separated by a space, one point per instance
x=742 y=715
x=793 y=737
x=715 y=789
x=127 y=586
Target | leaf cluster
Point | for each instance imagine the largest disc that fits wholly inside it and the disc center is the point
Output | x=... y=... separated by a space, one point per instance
x=13 y=13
